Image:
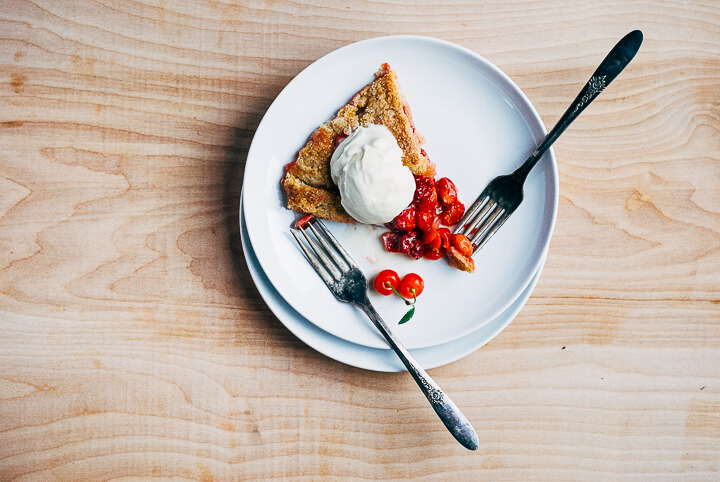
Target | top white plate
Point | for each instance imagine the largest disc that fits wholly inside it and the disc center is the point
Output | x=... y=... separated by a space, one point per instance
x=477 y=124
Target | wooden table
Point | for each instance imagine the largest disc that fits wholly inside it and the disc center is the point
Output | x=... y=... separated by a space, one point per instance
x=134 y=344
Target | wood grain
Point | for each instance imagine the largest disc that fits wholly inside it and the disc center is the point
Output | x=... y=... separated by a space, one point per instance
x=134 y=344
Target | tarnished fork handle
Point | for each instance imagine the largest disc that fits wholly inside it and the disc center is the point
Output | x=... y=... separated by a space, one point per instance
x=505 y=193
x=343 y=277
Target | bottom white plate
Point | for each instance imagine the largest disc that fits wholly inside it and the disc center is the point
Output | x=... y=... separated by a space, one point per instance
x=376 y=359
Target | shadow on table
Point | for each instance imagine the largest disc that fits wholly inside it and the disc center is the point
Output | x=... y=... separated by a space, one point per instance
x=239 y=283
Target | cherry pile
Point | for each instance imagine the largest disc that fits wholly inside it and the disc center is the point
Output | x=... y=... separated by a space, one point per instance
x=418 y=230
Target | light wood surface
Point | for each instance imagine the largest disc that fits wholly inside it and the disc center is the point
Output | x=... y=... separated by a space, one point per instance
x=133 y=343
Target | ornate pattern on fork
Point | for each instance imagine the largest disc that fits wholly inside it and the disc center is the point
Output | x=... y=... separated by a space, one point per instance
x=505 y=193
x=595 y=86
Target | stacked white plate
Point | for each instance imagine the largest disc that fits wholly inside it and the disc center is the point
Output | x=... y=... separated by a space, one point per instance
x=477 y=124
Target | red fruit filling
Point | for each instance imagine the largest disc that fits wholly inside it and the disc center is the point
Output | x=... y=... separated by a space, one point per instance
x=304 y=221
x=288 y=166
x=432 y=239
x=412 y=245
x=427 y=220
x=447 y=193
x=391 y=241
x=417 y=231
x=433 y=254
x=452 y=214
x=406 y=220
x=425 y=194
x=462 y=244
x=445 y=236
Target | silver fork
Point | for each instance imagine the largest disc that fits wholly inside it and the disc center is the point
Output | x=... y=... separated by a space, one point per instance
x=348 y=284
x=505 y=193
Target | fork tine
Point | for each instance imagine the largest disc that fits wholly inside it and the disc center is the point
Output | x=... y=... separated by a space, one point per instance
x=327 y=264
x=339 y=262
x=312 y=259
x=490 y=204
x=490 y=232
x=489 y=220
x=351 y=262
x=470 y=212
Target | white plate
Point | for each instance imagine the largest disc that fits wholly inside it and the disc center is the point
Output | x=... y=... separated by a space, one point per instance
x=478 y=124
x=381 y=360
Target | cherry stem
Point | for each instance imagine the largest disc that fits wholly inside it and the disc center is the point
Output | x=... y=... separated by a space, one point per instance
x=407 y=301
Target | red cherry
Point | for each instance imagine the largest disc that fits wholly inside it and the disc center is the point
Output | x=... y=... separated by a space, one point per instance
x=462 y=244
x=385 y=281
x=411 y=285
x=433 y=254
x=427 y=220
x=447 y=192
x=411 y=244
x=453 y=213
x=432 y=239
x=405 y=221
x=425 y=193
x=391 y=241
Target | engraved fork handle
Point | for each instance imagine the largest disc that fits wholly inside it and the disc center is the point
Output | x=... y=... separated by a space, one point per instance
x=451 y=416
x=614 y=63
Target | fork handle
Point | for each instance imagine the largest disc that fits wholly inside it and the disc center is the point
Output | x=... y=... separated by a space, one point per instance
x=618 y=58
x=451 y=416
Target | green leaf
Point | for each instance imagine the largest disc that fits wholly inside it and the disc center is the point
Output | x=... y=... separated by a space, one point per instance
x=407 y=316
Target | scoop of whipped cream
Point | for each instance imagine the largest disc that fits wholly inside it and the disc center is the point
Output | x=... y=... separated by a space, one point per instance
x=367 y=167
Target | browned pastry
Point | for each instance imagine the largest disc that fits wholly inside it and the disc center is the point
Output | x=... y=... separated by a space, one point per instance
x=307 y=181
x=459 y=261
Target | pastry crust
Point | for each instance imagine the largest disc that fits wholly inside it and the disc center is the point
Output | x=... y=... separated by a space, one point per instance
x=459 y=260
x=307 y=181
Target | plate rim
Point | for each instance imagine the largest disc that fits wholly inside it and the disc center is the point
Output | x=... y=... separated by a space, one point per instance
x=532 y=115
